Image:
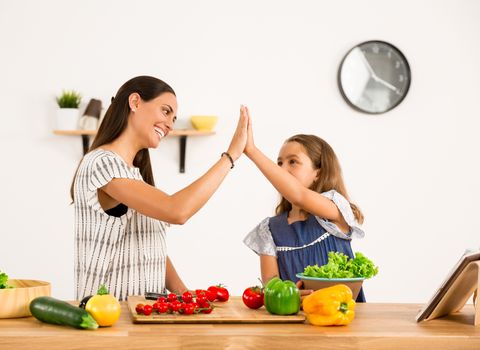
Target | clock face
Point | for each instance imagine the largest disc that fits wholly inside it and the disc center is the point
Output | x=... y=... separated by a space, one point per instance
x=374 y=77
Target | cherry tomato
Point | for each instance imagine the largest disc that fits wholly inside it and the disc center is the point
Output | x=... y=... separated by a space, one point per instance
x=207 y=310
x=172 y=297
x=162 y=308
x=187 y=297
x=189 y=309
x=253 y=297
x=162 y=300
x=201 y=299
x=147 y=310
x=211 y=296
x=139 y=308
x=199 y=292
x=155 y=306
x=203 y=303
x=176 y=305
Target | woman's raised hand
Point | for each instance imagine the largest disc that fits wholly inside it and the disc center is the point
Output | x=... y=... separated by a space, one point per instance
x=250 y=145
x=239 y=139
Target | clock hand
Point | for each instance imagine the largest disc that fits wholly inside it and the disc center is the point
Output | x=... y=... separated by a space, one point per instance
x=374 y=76
x=367 y=64
x=383 y=82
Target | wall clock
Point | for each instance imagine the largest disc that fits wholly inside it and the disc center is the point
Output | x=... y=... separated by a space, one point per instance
x=374 y=77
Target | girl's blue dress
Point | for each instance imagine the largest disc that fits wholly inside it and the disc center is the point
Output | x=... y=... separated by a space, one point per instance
x=304 y=243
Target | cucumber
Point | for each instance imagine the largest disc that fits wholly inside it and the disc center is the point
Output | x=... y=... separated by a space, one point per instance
x=54 y=311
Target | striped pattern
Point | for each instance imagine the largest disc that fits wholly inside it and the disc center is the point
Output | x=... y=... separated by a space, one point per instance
x=128 y=253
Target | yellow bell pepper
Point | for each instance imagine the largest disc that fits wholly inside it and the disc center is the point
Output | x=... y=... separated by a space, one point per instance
x=332 y=306
x=104 y=308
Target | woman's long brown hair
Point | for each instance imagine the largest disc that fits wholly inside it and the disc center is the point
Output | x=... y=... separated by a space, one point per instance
x=116 y=120
x=324 y=159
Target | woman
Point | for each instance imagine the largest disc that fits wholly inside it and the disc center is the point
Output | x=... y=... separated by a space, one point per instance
x=119 y=233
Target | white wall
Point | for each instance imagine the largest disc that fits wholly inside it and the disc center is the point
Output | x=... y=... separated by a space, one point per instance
x=414 y=171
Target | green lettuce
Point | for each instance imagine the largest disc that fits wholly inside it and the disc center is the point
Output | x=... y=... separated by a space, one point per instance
x=3 y=281
x=340 y=265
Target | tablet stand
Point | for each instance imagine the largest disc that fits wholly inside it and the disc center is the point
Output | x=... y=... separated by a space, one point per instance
x=466 y=284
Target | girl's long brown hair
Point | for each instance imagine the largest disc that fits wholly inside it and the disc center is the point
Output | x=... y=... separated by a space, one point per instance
x=324 y=159
x=116 y=120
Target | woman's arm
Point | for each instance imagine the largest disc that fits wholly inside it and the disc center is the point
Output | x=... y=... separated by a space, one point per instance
x=173 y=281
x=289 y=187
x=179 y=207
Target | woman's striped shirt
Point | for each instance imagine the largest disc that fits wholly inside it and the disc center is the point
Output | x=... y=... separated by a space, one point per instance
x=128 y=253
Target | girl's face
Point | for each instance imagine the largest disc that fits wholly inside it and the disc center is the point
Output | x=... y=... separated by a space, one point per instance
x=153 y=120
x=294 y=159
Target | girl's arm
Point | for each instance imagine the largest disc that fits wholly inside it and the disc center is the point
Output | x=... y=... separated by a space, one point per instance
x=179 y=207
x=289 y=187
x=268 y=267
x=173 y=281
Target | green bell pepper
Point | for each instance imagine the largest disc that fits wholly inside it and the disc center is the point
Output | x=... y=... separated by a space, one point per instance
x=281 y=297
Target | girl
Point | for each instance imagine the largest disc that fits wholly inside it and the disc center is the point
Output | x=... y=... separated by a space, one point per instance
x=314 y=215
x=119 y=233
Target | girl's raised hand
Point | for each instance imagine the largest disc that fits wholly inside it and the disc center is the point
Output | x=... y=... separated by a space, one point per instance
x=239 y=139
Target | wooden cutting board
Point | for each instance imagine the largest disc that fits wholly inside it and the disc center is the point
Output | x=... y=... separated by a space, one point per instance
x=232 y=311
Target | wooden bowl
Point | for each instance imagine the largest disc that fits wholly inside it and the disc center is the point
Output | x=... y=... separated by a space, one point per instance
x=15 y=302
x=314 y=283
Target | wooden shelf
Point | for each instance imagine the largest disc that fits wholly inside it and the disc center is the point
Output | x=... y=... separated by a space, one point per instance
x=85 y=134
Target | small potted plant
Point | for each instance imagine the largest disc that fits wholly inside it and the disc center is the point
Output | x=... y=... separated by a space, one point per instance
x=68 y=113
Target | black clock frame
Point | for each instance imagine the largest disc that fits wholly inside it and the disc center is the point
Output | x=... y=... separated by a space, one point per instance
x=407 y=66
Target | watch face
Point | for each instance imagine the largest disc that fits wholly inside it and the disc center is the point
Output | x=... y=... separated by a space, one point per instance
x=374 y=77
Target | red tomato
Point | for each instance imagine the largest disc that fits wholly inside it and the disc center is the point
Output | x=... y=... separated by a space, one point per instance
x=253 y=297
x=139 y=308
x=199 y=292
x=222 y=292
x=162 y=308
x=162 y=300
x=147 y=310
x=203 y=303
x=181 y=310
x=211 y=296
x=187 y=297
x=207 y=310
x=176 y=305
x=155 y=306
x=201 y=299
x=189 y=309
x=172 y=297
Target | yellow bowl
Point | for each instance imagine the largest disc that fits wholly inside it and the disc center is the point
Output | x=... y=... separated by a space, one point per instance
x=204 y=122
x=15 y=302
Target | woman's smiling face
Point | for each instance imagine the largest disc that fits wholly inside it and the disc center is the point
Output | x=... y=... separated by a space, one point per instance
x=152 y=120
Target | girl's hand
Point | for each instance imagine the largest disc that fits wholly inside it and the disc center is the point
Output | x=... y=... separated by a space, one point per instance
x=239 y=139
x=303 y=292
x=250 y=146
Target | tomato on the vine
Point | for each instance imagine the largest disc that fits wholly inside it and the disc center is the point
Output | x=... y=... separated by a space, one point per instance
x=253 y=297
x=139 y=308
x=187 y=297
x=189 y=309
x=172 y=297
x=147 y=310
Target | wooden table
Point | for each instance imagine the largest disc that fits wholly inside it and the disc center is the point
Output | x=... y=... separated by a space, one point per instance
x=376 y=326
